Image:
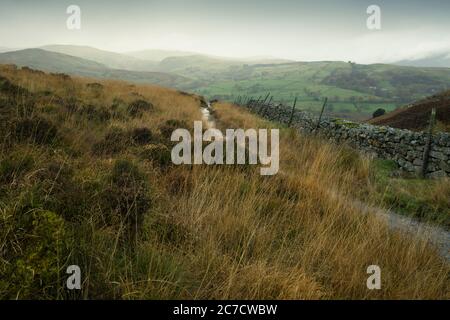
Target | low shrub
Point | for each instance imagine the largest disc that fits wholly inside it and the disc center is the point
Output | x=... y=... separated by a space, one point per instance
x=115 y=140
x=93 y=113
x=35 y=248
x=95 y=86
x=170 y=126
x=14 y=166
x=142 y=136
x=9 y=88
x=56 y=190
x=138 y=107
x=61 y=76
x=159 y=154
x=35 y=129
x=128 y=195
x=117 y=102
x=378 y=113
x=71 y=104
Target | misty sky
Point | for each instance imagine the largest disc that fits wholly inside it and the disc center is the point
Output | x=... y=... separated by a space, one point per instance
x=294 y=29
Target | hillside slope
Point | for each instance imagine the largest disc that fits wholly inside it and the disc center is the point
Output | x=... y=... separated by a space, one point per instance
x=51 y=61
x=158 y=55
x=86 y=179
x=354 y=91
x=61 y=63
x=110 y=59
x=417 y=115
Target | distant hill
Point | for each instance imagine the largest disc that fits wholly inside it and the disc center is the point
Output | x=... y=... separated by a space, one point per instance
x=5 y=49
x=56 y=62
x=197 y=63
x=441 y=60
x=51 y=61
x=211 y=68
x=417 y=115
x=110 y=59
x=265 y=60
x=158 y=55
x=157 y=60
x=354 y=91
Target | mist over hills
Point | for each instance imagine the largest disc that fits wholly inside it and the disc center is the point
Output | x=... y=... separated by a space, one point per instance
x=5 y=49
x=51 y=61
x=439 y=60
x=159 y=55
x=188 y=64
x=354 y=91
x=110 y=59
x=62 y=63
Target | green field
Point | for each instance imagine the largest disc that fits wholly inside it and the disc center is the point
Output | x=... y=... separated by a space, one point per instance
x=353 y=91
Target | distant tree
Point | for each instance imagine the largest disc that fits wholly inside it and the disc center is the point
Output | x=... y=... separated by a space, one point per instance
x=378 y=113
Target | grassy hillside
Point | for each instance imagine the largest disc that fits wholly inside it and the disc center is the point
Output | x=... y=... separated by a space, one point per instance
x=210 y=68
x=86 y=179
x=417 y=115
x=62 y=63
x=50 y=61
x=354 y=91
x=425 y=200
x=110 y=59
x=202 y=66
x=158 y=55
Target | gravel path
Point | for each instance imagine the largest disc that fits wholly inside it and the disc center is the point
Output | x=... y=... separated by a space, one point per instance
x=437 y=235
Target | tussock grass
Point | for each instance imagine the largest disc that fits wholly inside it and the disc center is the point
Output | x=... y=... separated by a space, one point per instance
x=140 y=228
x=426 y=200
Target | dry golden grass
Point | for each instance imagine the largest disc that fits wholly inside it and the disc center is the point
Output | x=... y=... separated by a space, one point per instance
x=311 y=245
x=222 y=232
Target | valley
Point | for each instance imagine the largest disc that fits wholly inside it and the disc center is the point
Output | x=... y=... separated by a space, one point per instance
x=354 y=91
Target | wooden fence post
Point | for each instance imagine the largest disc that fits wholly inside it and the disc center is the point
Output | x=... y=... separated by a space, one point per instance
x=426 y=153
x=321 y=113
x=292 y=112
x=258 y=102
x=262 y=103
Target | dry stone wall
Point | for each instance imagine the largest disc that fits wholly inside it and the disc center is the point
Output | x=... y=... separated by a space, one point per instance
x=405 y=147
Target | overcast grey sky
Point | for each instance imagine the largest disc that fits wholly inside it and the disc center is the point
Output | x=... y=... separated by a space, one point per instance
x=294 y=29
